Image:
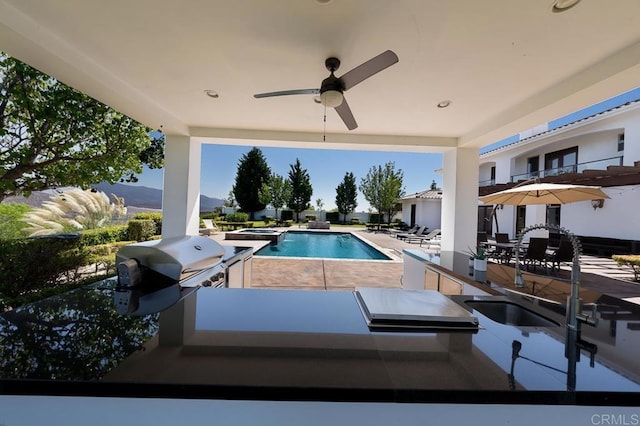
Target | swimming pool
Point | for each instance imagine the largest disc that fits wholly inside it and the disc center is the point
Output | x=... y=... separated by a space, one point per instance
x=330 y=245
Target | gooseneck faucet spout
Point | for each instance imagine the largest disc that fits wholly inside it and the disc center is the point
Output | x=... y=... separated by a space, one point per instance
x=573 y=303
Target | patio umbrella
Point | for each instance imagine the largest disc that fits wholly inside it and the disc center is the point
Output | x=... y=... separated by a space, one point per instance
x=544 y=193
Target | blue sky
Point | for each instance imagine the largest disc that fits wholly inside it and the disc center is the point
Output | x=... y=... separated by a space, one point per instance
x=328 y=167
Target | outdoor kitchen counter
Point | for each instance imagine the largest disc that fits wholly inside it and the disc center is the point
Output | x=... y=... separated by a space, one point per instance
x=296 y=340
x=288 y=344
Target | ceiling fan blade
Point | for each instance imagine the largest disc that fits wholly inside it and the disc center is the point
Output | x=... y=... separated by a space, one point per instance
x=369 y=68
x=288 y=92
x=345 y=113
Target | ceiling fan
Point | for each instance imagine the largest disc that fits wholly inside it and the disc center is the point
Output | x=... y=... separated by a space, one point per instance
x=332 y=89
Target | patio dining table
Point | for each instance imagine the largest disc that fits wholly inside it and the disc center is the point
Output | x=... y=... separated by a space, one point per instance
x=506 y=249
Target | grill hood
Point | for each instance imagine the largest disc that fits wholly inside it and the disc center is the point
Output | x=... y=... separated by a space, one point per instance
x=177 y=258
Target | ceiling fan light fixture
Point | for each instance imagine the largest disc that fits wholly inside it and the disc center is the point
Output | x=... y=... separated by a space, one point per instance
x=563 y=5
x=331 y=98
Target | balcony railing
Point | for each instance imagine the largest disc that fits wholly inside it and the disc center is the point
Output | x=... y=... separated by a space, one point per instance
x=575 y=168
x=489 y=182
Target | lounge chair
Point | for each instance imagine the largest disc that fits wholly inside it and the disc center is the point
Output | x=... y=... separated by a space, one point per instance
x=404 y=234
x=420 y=238
x=209 y=228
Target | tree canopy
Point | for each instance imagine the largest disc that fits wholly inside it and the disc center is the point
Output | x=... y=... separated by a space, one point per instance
x=301 y=189
x=252 y=173
x=347 y=195
x=276 y=192
x=53 y=136
x=382 y=187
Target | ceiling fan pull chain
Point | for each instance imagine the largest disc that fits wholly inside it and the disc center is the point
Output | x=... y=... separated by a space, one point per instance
x=324 y=128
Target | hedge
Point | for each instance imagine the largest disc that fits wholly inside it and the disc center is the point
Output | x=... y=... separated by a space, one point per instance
x=155 y=217
x=30 y=264
x=237 y=217
x=141 y=230
x=105 y=235
x=333 y=217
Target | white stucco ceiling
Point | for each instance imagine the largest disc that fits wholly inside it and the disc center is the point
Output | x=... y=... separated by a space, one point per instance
x=506 y=65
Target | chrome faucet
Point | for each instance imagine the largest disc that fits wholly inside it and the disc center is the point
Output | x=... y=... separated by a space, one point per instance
x=574 y=305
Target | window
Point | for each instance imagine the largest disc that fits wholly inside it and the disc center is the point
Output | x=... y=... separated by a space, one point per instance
x=484 y=219
x=559 y=162
x=521 y=218
x=621 y=142
x=553 y=214
x=533 y=166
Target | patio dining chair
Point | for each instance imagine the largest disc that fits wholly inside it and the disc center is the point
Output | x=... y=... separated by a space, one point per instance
x=502 y=254
x=564 y=253
x=536 y=253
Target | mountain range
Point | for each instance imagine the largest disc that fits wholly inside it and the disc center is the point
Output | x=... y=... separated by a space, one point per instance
x=134 y=196
x=142 y=196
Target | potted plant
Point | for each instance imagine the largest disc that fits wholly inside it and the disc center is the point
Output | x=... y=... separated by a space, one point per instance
x=479 y=257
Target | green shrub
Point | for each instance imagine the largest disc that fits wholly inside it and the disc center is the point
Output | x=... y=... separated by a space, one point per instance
x=237 y=217
x=155 y=217
x=105 y=235
x=105 y=255
x=30 y=264
x=310 y=217
x=11 y=224
x=355 y=221
x=141 y=230
x=211 y=215
x=333 y=217
x=373 y=218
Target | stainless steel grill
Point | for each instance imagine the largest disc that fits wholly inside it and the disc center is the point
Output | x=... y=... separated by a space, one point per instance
x=154 y=275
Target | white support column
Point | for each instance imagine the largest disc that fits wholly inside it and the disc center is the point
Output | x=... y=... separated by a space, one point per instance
x=460 y=199
x=181 y=194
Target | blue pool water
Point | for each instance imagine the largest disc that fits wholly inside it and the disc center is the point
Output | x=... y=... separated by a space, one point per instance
x=325 y=245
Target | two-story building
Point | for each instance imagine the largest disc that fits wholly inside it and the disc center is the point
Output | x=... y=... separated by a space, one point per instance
x=602 y=149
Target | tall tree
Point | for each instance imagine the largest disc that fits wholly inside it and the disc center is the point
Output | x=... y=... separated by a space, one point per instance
x=382 y=187
x=276 y=192
x=52 y=136
x=252 y=172
x=346 y=195
x=301 y=189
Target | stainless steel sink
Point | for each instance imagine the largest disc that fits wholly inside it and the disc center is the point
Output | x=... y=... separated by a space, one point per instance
x=507 y=312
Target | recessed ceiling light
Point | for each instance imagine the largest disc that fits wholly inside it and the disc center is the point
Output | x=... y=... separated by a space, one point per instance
x=563 y=5
x=323 y=1
x=211 y=93
x=443 y=104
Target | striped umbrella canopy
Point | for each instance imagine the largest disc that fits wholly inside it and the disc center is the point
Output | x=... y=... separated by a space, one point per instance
x=545 y=193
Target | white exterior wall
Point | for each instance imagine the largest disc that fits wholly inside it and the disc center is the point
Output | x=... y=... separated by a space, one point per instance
x=618 y=218
x=597 y=139
x=428 y=212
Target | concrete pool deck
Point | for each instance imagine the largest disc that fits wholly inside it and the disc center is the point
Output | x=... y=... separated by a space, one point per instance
x=600 y=274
